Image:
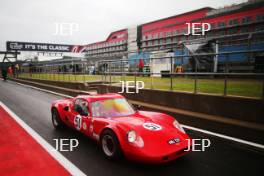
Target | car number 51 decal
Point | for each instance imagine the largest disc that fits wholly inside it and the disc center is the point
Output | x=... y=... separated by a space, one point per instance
x=152 y=126
x=78 y=122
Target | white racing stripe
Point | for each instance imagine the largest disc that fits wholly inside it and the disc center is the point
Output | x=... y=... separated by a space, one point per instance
x=184 y=126
x=70 y=167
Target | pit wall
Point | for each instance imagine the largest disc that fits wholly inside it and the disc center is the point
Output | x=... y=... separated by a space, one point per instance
x=70 y=85
x=246 y=109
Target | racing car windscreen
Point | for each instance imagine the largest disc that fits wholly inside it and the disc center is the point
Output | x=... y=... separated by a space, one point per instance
x=111 y=108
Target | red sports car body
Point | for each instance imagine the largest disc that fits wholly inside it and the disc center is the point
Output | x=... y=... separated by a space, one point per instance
x=142 y=136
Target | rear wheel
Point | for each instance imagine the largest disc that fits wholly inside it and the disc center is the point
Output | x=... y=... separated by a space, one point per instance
x=110 y=145
x=56 y=120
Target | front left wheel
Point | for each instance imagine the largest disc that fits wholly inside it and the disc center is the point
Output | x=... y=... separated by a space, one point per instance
x=55 y=117
x=110 y=145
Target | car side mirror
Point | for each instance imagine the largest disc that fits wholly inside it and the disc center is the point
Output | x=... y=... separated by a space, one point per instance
x=66 y=108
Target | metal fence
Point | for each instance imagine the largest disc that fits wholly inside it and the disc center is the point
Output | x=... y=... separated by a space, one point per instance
x=236 y=84
x=224 y=83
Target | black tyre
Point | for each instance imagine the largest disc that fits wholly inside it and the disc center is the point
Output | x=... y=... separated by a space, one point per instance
x=110 y=145
x=56 y=120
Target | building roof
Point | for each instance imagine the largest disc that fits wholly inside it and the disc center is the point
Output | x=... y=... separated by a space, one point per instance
x=179 y=15
x=100 y=42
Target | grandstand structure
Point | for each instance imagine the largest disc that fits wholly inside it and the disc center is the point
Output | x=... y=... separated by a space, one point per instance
x=238 y=27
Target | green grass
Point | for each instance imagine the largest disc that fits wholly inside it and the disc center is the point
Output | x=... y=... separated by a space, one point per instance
x=237 y=87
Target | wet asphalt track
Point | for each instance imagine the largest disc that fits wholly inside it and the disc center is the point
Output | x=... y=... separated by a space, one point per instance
x=222 y=158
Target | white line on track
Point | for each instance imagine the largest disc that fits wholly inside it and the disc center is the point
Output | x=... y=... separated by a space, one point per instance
x=253 y=144
x=69 y=166
x=225 y=137
x=44 y=90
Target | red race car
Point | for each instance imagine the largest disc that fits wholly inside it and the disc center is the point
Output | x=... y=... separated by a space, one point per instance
x=121 y=130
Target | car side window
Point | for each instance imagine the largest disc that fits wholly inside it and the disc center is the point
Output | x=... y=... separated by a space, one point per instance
x=81 y=106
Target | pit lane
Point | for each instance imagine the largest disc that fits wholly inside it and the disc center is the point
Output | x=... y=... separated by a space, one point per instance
x=222 y=158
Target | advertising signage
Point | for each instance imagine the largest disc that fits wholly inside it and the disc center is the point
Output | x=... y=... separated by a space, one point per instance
x=27 y=46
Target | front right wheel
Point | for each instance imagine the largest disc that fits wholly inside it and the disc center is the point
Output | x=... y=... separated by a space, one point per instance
x=110 y=145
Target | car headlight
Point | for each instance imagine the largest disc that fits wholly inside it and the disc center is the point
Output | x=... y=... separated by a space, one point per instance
x=178 y=126
x=134 y=139
x=131 y=136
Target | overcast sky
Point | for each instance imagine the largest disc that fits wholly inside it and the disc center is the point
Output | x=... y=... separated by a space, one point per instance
x=34 y=20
